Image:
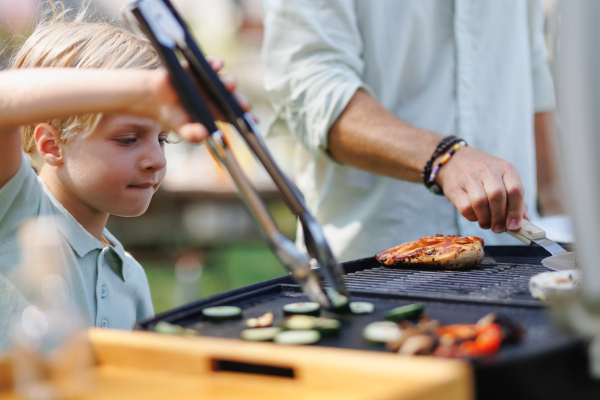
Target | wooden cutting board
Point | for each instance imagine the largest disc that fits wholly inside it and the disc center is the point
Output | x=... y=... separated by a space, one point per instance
x=146 y=365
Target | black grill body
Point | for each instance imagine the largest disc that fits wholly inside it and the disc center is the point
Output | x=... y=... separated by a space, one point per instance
x=546 y=364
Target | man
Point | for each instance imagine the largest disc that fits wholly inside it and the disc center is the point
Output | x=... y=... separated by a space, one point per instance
x=371 y=87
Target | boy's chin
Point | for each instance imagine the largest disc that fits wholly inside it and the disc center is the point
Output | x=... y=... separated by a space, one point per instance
x=131 y=211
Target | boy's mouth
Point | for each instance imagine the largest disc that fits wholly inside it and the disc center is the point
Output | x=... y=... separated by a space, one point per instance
x=144 y=185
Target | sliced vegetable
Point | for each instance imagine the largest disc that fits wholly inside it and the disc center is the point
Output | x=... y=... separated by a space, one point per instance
x=261 y=322
x=488 y=341
x=457 y=331
x=306 y=308
x=171 y=329
x=222 y=313
x=259 y=334
x=300 y=323
x=361 y=307
x=297 y=337
x=338 y=300
x=382 y=332
x=328 y=326
x=418 y=345
x=410 y=311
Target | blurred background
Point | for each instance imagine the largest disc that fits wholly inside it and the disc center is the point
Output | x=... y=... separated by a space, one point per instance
x=196 y=239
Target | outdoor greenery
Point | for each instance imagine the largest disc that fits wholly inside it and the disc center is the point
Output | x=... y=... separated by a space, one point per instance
x=225 y=267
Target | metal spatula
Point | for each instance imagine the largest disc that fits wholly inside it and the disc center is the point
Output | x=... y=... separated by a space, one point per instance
x=560 y=260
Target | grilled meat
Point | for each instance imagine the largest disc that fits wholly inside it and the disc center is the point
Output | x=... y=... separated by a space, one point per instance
x=439 y=251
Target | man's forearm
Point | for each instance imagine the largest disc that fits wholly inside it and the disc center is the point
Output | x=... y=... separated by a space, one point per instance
x=369 y=137
x=482 y=187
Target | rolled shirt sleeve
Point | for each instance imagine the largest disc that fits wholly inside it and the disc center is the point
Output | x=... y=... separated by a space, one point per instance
x=312 y=65
x=543 y=85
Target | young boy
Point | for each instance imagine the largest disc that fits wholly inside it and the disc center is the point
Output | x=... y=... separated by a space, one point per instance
x=94 y=112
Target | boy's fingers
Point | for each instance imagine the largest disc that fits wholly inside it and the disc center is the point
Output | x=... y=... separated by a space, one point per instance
x=229 y=82
x=215 y=62
x=243 y=101
x=193 y=132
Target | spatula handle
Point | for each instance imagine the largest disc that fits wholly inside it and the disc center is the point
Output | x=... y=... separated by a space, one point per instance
x=528 y=232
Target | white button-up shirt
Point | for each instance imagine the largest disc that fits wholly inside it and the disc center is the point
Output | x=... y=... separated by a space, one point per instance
x=471 y=68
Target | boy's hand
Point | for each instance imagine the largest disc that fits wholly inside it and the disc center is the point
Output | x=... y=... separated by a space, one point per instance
x=170 y=112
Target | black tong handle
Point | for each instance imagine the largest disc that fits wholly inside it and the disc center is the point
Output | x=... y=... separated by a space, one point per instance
x=183 y=84
x=209 y=80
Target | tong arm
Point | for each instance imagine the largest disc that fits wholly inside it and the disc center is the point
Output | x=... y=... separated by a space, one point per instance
x=314 y=236
x=157 y=22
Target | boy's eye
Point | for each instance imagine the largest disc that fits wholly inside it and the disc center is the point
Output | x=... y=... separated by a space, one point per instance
x=163 y=140
x=127 y=141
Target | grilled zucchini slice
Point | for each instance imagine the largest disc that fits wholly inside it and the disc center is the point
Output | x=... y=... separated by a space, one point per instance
x=222 y=313
x=306 y=308
x=361 y=307
x=411 y=311
x=297 y=337
x=259 y=334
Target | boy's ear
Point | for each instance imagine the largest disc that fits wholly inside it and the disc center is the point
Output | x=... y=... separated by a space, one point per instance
x=46 y=141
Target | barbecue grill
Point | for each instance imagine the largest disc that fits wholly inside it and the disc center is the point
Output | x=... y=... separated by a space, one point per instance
x=546 y=364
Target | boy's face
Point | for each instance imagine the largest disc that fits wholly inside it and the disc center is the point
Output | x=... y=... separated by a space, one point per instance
x=117 y=168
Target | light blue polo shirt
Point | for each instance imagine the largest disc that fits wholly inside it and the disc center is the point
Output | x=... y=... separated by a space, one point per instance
x=108 y=286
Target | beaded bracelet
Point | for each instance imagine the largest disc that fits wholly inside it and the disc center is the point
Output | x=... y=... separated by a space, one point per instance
x=431 y=184
x=443 y=146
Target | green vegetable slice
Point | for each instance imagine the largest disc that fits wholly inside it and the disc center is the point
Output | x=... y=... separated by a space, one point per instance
x=259 y=334
x=361 y=307
x=222 y=313
x=382 y=332
x=338 y=300
x=328 y=326
x=410 y=311
x=172 y=329
x=297 y=337
x=300 y=323
x=307 y=308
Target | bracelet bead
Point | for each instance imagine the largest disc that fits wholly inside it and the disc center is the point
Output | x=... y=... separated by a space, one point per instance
x=430 y=184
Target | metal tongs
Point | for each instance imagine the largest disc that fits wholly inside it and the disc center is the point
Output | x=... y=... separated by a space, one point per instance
x=167 y=31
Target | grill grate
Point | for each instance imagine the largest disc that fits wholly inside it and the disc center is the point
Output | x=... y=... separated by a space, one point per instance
x=498 y=279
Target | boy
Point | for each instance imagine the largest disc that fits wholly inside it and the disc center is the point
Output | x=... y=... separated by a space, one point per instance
x=108 y=111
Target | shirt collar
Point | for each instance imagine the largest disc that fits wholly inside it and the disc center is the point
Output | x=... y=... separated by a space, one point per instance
x=82 y=242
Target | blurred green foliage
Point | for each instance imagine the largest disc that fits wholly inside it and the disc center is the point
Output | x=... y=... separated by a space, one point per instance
x=225 y=267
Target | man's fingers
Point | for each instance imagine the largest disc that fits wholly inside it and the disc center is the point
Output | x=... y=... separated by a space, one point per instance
x=515 y=193
x=461 y=201
x=525 y=216
x=496 y=194
x=215 y=62
x=479 y=202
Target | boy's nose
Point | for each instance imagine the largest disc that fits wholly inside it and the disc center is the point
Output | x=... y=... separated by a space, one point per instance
x=154 y=159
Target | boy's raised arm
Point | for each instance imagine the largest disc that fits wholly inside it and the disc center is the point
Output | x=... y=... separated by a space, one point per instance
x=38 y=94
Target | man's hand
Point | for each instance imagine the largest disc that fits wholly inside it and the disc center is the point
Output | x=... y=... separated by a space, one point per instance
x=485 y=189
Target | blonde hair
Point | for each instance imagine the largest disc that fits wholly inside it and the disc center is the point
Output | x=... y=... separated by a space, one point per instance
x=66 y=40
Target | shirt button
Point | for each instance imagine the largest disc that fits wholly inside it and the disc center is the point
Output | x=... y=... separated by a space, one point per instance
x=103 y=292
x=104 y=323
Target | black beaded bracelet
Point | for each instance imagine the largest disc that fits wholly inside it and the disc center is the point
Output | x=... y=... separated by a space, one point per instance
x=443 y=146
